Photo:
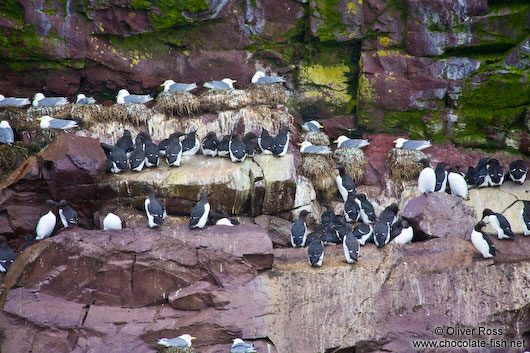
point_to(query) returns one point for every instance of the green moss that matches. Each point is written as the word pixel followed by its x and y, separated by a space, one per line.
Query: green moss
pixel 331 24
pixel 13 10
pixel 435 127
pixel 395 122
pixel 171 11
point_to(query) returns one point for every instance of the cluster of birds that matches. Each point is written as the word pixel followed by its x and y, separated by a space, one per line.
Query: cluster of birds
pixel 333 229
pixel 184 341
pixel 124 97
pixel 143 152
pixel 488 172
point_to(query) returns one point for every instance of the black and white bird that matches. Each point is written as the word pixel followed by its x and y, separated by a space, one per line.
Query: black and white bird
pixel 7 255
pixel 82 99
pixel 499 223
pixel 299 230
pixel 223 148
pixel 237 149
pixel 29 240
pixel 315 252
pixel 312 125
pixel 441 177
pixel 152 154
pixel 116 158
pixel 401 233
pixel 389 214
pixel 172 86
pixel 46 223
pixel 367 210
pixel 209 144
pixel 67 214
pixel 364 233
pixel 344 183
pixel 525 218
pixel 174 152
pixel 307 147
pixel 457 184
pixel 427 178
pixel 47 122
pixel 190 144
pixel 495 172
pixel 350 245
pixel 327 216
pixel 143 137
pixel 345 142
pixel 471 176
pixel 250 146
pixel 518 170
pixel 225 221
pixel 280 142
pixel 482 241
pixel 265 142
pixel 126 143
pixel 124 97
pixel 154 209
pixel 39 100
pixel 381 233
pixel 6 133
pixel 416 145
pixel 482 177
pixel 162 146
pixel 261 78
pixel 137 156
pixel 239 346
pixel 199 212
pixel 352 210
pixel 112 222
pixel 180 341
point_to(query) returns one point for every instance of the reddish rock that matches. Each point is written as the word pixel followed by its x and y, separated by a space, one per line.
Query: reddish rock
pixel 429 216
pixel 273 20
pixel 339 125
pixel 376 155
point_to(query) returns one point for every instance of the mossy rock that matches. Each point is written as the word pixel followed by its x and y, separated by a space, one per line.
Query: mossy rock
pixel 412 122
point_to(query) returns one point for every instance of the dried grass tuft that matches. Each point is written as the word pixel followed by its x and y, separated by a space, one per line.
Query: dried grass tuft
pixel 320 169
pixel 403 164
pixel 11 157
pixel 177 104
pixel 318 138
pixel 135 114
pixel 354 162
pixel 214 101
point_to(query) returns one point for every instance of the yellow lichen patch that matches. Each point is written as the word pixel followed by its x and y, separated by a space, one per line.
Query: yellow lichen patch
pixel 331 77
pixel 100 27
pixel 367 92
pixel 352 7
pixel 385 41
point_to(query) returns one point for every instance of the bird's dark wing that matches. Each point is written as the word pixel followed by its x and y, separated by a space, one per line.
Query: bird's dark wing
pixel 505 225
pixel 490 243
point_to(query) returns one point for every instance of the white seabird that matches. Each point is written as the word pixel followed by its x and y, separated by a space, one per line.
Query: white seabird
pixel 13 102
pixel 82 99
pixel 308 148
pixel 180 341
pixel 112 222
pixel 239 346
pixel 260 77
pixel 224 84
pixel 6 133
pixel 482 241
pixel 47 122
pixel 39 100
pixel 125 97
pixel 457 184
pixel 345 142
pixel 172 86
pixel 416 145
pixel 312 125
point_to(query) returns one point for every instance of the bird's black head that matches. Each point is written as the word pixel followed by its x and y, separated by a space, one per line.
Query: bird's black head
pixel 393 207
pixel 250 136
pixel 487 212
pixel 348 228
pixel 126 133
pixel 3 241
pixel 264 132
pixel 176 135
pixel 284 129
pixel 493 161
pixel 62 203
pixel 303 214
pixel 211 134
pixel 526 203
pixel 226 138
pixel 404 223
pixel 50 203
pixel 204 195
pixel 361 197
pixel 441 165
pixel 425 162
pixel 148 188
pixel 340 168
pixel 480 225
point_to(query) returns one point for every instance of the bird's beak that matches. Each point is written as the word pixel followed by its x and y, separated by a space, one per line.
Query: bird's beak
pixel 39 118
pixel 194 338
pixel 162 85
pixel 394 141
pixel 299 144
pixel 336 141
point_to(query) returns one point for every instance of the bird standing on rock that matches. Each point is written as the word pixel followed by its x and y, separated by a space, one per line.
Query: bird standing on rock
pixel 299 230
pixel 112 222
pixel 7 255
pixel 190 144
pixel 495 172
pixel 441 177
pixel 154 209
pixel 364 233
pixel 249 145
pixel 280 143
pixel 152 154
pixel 427 178
pixel 137 156
pixel 352 210
pixel 126 143
pixel 199 213
pixel 457 184
pixel 389 214
pixel 350 245
pixel 237 149
pixel 209 145
pixel 499 223
pixel 174 151
pixel 315 252
pixel 46 223
pixel 525 217
pixel 482 241
pixel 381 233
pixel 402 233
pixel 67 214
pixel 265 142
pixel 367 209
pixel 518 170
pixel 344 183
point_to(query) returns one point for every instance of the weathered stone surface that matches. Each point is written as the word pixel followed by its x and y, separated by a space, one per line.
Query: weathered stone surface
pixel 340 20
pixel 279 175
pixel 439 215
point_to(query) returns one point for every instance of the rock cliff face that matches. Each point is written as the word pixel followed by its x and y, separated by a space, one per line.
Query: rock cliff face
pixel 446 70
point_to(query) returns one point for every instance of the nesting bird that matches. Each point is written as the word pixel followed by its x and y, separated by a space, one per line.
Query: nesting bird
pixel 239 346
pixel 345 142
pixel 47 122
pixel 299 230
pixel 482 241
pixel 223 85
pixel 82 99
pixel 172 86
pixel 124 97
pixel 312 125
pixel 199 213
pixel 416 145
pixel 180 341
pixel 39 100
pixel 261 78
pixel 499 223
pixel 7 255
pixel 13 102
pixel 307 147
pixel 67 214
pixel 518 170
pixel 154 209
pixel 46 223
pixel 6 133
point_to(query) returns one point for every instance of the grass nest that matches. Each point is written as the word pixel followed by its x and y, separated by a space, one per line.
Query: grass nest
pixel 11 157
pixel 177 350
pixel 353 160
pixel 215 101
pixel 404 164
pixel 272 94
pixel 135 114
pixel 177 104
pixel 320 169
pixel 318 138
